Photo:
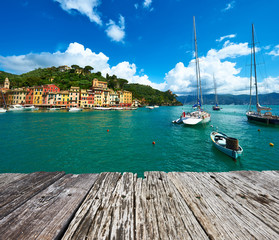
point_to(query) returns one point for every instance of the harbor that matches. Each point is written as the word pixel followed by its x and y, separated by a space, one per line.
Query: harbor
pixel 174 205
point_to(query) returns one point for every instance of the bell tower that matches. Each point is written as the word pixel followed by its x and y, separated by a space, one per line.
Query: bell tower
pixel 7 83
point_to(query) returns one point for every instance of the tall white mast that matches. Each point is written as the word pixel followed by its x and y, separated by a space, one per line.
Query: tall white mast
pixel 199 90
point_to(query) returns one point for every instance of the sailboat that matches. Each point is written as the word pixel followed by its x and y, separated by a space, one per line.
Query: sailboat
pixel 258 116
pixel 216 106
pixel 199 116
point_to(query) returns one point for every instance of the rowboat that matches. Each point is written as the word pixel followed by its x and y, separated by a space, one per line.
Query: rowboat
pixel 226 144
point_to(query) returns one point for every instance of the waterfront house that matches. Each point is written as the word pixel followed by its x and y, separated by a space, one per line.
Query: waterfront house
pixel 16 96
pixel 62 98
pixel 98 97
pixel 83 102
pixel 106 98
pixel 74 94
pixel 29 96
pixel 101 93
pixel 90 98
pixel 114 99
pixel 121 98
pixel 38 95
pixel 48 88
pixel 128 98
pixel 51 99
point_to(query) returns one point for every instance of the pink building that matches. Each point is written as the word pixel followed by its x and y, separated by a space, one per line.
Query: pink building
pixel 74 94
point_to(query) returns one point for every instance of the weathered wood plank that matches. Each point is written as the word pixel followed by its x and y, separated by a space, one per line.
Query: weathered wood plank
pixel 256 200
pixel 173 217
pixel 16 193
pixel 122 222
pixel 6 178
pixel 220 215
pixel 46 215
pixel 92 220
pixel 268 180
pixel 146 220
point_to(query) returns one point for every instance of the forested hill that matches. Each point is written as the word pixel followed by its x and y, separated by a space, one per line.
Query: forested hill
pixel 77 76
pixel 265 99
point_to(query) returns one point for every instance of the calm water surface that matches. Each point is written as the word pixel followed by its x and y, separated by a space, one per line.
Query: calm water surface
pixel 79 142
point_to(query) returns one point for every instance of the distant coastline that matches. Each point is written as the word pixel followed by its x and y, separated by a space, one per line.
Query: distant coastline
pixel 227 99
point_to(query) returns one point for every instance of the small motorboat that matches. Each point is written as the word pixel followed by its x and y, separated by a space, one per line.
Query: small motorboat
pixel 17 107
pixel 53 109
pixel 150 107
pixel 30 108
pixel 102 108
pixel 75 109
pixel 3 110
pixel 216 108
pixel 226 144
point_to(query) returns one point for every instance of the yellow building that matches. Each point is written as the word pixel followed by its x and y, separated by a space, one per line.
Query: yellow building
pixel 120 97
pixel 38 95
pixel 16 96
pixel 63 98
pixel 83 98
pixel 125 98
pixel 128 97
pixel 98 97
pixel 106 98
pixel 99 84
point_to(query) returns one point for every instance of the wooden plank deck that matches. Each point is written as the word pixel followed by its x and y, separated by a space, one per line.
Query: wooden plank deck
pixel 231 205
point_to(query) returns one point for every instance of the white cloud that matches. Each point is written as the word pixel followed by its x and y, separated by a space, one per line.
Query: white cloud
pixel 116 32
pixel 85 7
pixel 182 79
pixel 269 85
pixel 274 52
pixel 147 3
pixel 224 37
pixel 76 54
pixel 128 71
pixel 231 50
pixel 229 6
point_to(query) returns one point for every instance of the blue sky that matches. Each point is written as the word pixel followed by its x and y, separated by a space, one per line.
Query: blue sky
pixel 145 41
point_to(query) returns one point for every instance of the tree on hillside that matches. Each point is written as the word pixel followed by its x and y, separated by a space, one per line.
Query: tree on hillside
pixel 87 69
pixel 75 67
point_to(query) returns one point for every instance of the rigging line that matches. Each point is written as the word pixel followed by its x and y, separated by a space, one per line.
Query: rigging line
pixel 197 66
pixel 251 77
pixel 255 70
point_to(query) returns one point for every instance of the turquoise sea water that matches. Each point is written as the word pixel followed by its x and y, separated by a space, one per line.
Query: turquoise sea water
pixel 80 143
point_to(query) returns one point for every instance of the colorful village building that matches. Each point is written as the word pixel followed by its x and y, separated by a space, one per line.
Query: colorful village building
pixel 101 92
pixel 128 98
pixel 74 94
pixel 83 102
pixel 114 99
pixel 29 96
pixel 62 99
pixel 16 96
pixel 47 89
pixel 38 95
pixel 90 98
